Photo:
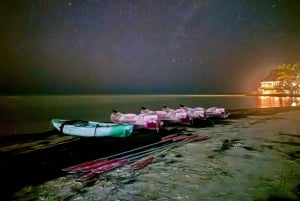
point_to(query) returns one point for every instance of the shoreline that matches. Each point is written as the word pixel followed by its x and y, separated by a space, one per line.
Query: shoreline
pixel 235 113
pixel 274 95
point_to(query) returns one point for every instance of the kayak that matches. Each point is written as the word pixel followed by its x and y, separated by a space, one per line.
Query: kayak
pixel 175 116
pixel 92 128
pixel 216 112
pixel 139 121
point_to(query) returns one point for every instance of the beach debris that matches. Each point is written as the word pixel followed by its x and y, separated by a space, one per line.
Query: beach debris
pixel 227 144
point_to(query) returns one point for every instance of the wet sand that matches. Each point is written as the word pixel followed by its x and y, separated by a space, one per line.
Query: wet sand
pixel 31 164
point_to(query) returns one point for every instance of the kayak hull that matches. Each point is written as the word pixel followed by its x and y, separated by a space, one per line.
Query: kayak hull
pixel 91 128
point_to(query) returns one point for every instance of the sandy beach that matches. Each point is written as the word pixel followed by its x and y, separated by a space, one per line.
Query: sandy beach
pixel 252 155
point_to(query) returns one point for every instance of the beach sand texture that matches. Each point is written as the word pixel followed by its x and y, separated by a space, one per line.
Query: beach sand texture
pixel 253 155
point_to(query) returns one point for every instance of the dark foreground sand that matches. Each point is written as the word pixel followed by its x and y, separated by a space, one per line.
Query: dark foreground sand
pixel 30 161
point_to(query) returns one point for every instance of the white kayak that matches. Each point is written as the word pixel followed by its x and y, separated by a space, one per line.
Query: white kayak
pixel 91 128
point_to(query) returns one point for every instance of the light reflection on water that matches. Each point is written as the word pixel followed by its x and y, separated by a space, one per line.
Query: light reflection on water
pixel 271 101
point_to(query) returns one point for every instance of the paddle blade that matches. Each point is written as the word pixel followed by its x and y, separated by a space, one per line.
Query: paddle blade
pixel 73 168
pixel 168 137
pixel 110 166
pixel 87 176
pixel 196 138
pixel 88 168
pixel 142 163
pixel 179 138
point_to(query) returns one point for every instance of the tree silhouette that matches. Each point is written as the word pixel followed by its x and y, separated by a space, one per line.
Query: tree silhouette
pixel 289 79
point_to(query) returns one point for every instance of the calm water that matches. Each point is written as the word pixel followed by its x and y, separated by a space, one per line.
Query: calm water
pixel 30 114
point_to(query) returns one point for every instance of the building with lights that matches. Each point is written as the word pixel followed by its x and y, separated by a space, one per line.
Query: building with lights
pixel 270 84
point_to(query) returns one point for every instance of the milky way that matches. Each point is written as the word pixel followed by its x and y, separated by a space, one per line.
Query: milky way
pixel 158 47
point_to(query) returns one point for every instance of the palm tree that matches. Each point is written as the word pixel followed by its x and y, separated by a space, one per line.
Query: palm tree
pixel 289 78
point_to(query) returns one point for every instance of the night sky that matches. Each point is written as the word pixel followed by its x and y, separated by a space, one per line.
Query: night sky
pixel 144 47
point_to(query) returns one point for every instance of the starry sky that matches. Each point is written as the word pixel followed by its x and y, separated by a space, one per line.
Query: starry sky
pixel 144 47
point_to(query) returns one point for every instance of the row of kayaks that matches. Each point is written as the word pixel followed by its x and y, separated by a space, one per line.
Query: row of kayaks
pixel 123 124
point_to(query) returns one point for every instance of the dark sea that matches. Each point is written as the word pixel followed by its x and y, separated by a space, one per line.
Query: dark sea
pixel 31 114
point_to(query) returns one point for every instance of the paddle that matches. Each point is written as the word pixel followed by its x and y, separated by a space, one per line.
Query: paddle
pixel 131 157
pixel 146 161
pixel 74 168
pixel 88 167
pixel 142 163
pixel 107 165
pixel 104 168
pixel 118 162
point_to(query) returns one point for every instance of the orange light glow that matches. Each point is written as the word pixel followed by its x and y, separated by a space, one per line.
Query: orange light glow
pixel 270 101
